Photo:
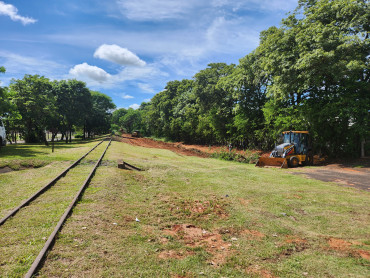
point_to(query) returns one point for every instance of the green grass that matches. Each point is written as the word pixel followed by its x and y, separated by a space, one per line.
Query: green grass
pixel 102 238
pixel 20 156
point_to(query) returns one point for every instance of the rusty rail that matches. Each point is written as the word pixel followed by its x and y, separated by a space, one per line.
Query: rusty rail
pixel 46 187
pixel 35 265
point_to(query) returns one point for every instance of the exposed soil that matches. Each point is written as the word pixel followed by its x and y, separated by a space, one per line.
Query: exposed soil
pixel 256 270
pixel 8 169
pixel 253 235
pixel 5 169
pixel 344 174
pixel 196 209
pixel 345 247
pixel 178 147
pixel 150 143
pixel 193 236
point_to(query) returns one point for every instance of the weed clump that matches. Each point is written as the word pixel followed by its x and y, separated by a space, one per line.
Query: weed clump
pixel 247 157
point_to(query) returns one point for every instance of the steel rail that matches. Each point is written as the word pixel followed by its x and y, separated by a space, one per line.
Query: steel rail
pixel 46 187
pixel 35 265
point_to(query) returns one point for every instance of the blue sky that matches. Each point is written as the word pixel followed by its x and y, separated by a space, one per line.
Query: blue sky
pixel 129 49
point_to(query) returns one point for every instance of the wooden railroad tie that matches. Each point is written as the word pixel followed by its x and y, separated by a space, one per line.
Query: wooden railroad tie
pixel 124 165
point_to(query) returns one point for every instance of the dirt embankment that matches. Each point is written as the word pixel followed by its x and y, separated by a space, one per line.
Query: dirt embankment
pixel 150 143
pixel 178 147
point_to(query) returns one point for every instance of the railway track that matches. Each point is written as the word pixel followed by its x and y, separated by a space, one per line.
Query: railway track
pixel 28 215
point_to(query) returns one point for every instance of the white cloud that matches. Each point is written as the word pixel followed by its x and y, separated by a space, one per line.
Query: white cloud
pixel 146 88
pixel 119 55
pixel 260 5
pixel 147 100
pixel 12 12
pixel 141 73
pixel 17 65
pixel 159 10
pixel 92 72
pixel 230 36
pixel 155 10
pixel 134 106
pixel 124 96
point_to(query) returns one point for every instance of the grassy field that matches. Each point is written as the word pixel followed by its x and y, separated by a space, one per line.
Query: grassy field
pixel 197 218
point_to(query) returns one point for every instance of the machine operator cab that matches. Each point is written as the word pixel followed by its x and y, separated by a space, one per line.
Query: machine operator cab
pixel 299 139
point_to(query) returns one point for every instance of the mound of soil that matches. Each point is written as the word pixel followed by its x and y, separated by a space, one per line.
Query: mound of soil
pixel 178 147
pixel 150 143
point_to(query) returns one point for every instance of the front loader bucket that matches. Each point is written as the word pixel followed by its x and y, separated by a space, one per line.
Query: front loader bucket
pixel 272 161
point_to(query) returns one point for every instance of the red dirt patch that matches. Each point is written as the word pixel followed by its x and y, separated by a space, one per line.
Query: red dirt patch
pixel 364 254
pixel 344 247
pixel 150 143
pixel 178 147
pixel 253 235
pixel 295 240
pixel 193 236
pixel 200 208
pixel 339 244
pixel 172 254
pixel 260 272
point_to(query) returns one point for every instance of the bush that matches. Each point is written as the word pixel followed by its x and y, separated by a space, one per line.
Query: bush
pixel 248 157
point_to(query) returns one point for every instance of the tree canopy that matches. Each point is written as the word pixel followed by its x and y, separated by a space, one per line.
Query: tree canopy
pixel 310 73
pixel 35 104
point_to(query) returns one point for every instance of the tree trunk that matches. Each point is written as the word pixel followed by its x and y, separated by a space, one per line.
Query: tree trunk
pixel 52 142
pixel 45 139
pixel 83 136
pixel 363 148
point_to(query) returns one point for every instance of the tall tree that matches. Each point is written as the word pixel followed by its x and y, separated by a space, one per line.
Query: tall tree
pixel 33 98
pixel 74 104
pixel 247 85
pixel 216 104
pixel 317 63
pixel 98 120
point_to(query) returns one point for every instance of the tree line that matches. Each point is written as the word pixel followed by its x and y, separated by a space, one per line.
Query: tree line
pixel 33 105
pixel 310 73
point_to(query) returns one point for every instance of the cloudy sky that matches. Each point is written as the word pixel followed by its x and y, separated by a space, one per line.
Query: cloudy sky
pixel 129 49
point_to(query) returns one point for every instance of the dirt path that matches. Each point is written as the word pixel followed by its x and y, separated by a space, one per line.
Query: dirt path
pixel 344 174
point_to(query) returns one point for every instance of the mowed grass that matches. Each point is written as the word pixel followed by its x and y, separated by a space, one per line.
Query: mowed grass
pixel 21 156
pixel 210 218
pixel 23 236
pixel 17 186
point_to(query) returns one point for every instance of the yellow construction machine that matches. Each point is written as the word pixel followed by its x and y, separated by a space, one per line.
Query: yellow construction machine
pixel 295 150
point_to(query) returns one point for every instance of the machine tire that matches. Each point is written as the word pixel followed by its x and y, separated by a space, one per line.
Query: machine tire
pixel 293 162
pixel 309 160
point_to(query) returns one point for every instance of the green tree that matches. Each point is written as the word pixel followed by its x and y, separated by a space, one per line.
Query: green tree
pixel 131 120
pixel 3 96
pixel 33 98
pixel 74 104
pixel 317 64
pixel 247 86
pixel 99 119
pixel 116 115
pixel 216 104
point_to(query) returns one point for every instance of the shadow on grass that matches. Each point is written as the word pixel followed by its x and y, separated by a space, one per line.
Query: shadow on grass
pixel 37 149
